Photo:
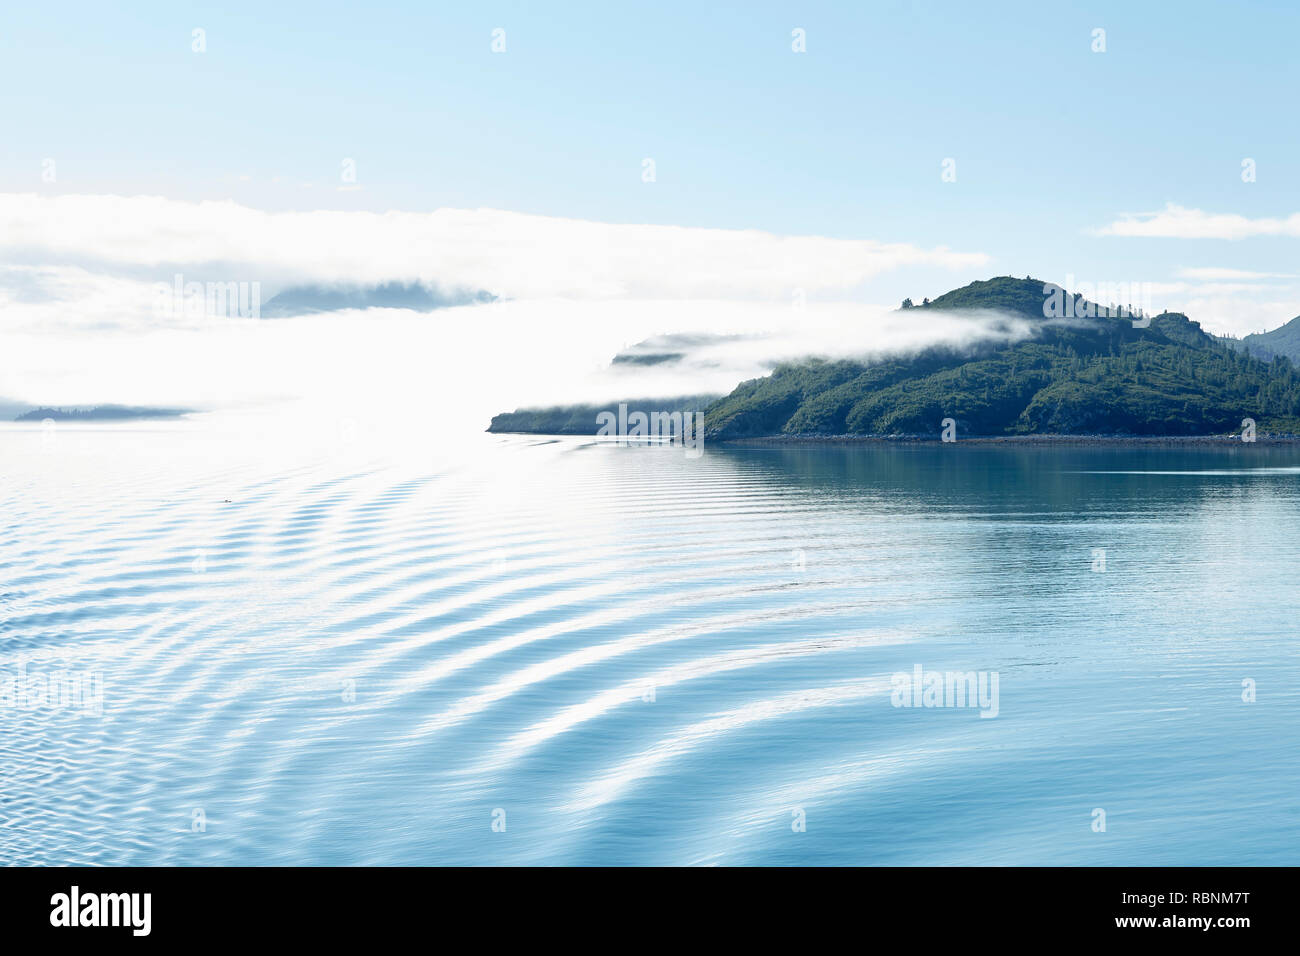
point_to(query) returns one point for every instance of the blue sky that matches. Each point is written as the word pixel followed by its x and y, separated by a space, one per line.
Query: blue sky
pixel 1051 140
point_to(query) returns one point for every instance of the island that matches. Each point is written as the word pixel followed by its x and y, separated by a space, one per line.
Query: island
pixel 99 413
pixel 1085 369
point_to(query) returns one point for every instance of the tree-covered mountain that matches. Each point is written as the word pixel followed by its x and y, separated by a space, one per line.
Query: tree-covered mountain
pixel 1082 370
pixel 1283 341
pixel 584 419
pixel 415 296
pixel 99 413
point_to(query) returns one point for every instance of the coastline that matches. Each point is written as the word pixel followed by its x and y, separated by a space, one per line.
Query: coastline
pixel 1217 440
pixel 1285 438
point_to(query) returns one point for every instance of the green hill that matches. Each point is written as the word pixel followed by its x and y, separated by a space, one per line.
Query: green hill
pixel 1284 341
pixel 583 419
pixel 1091 373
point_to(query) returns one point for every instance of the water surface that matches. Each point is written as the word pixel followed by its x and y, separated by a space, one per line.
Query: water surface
pixel 626 655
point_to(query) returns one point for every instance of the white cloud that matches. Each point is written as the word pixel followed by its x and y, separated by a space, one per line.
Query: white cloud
pixel 396 369
pixel 79 305
pixel 1177 222
pixel 1223 314
pixel 1212 274
pixel 511 254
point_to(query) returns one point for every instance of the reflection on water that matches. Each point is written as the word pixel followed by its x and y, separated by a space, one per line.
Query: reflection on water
pixel 535 651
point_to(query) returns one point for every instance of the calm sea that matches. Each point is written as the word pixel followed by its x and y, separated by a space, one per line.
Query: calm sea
pixel 526 650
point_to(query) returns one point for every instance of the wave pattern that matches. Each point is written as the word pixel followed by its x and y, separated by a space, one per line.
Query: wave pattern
pixel 558 652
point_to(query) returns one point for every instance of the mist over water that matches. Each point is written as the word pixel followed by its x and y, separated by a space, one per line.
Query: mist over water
pixel 451 370
pixel 320 647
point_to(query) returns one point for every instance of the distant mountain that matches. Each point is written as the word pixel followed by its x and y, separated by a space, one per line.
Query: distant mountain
pixel 99 413
pixel 9 409
pixel 312 299
pixel 668 349
pixel 1082 371
pixel 1283 341
pixel 581 419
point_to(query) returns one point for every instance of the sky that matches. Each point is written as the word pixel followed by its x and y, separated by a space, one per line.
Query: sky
pixel 838 153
